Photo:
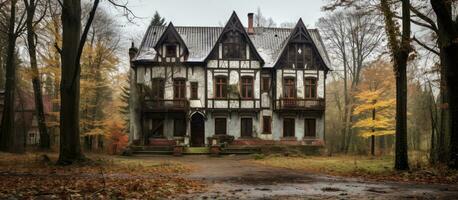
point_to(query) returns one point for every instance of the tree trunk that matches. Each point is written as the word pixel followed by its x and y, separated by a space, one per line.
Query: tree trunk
pixel 448 37
pixel 401 160
pixel 373 136
pixel 44 136
pixel 70 149
pixel 7 127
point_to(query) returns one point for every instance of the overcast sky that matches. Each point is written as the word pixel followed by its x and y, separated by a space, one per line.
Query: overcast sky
pixel 216 12
pixel 213 13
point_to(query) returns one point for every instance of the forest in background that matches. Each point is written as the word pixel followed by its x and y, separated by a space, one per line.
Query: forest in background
pixel 387 93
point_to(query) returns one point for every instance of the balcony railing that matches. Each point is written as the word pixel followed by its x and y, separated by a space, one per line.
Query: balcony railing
pixel 159 105
pixel 300 104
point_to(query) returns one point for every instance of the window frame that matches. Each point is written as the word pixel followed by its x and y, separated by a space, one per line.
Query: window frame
pixel 310 88
pixel 179 85
pixel 287 83
pixel 293 120
pixel 169 47
pixel 194 90
pixel 250 128
pixel 220 91
pixel 157 88
pixel 233 46
pixel 307 128
pixel 246 84
pixel 264 80
pixel 218 120
pixel 266 125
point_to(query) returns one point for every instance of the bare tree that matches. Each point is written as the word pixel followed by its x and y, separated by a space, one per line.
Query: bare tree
pixel 354 38
pixel 15 28
pixel 261 21
pixel 31 24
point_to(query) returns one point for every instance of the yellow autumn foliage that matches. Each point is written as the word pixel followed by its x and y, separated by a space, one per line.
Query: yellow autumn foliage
pixel 376 96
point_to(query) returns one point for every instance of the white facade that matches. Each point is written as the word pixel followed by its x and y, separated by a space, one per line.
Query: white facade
pixel 246 97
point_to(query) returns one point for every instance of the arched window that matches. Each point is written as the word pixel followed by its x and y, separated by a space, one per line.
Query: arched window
pixel 220 87
pixel 234 46
pixel 310 88
pixel 247 87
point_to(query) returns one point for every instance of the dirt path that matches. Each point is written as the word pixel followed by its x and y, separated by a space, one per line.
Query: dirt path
pixel 234 177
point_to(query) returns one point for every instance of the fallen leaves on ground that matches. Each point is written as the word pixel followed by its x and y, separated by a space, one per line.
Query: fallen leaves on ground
pixel 379 169
pixel 28 177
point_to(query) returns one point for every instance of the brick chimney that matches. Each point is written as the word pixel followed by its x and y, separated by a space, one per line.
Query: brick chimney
pixel 250 24
pixel 132 51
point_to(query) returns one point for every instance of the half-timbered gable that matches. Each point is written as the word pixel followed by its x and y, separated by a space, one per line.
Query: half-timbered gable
pixel 251 83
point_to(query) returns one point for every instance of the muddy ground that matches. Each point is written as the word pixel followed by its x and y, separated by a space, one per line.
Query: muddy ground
pixel 235 177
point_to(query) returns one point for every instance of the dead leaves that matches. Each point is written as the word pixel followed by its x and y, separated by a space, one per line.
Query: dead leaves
pixel 24 177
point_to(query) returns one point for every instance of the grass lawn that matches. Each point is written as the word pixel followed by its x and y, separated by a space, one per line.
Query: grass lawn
pixel 32 176
pixel 377 168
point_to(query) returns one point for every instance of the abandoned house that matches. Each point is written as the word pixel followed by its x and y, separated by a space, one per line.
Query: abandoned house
pixel 259 85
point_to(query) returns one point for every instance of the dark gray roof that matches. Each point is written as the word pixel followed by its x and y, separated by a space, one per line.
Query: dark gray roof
pixel 268 42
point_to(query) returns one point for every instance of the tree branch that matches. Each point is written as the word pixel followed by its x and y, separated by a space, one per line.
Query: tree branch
pixel 425 18
pixel 425 46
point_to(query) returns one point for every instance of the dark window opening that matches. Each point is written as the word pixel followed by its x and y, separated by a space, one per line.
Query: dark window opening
pixel 220 87
pixel 288 127
pixel 194 90
pixel 265 85
pixel 247 87
pixel 171 51
pixel 157 128
pixel 179 127
pixel 310 128
pixel 179 89
pixel 310 88
pixel 246 127
pixel 157 88
pixel 266 125
pixel 234 46
pixel 299 56
pixel 220 126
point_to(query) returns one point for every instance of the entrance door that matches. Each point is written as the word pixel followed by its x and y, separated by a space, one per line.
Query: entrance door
pixel 246 127
pixel 197 130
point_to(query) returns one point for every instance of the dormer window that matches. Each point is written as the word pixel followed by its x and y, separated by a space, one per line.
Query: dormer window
pixel 234 47
pixel 299 56
pixel 171 50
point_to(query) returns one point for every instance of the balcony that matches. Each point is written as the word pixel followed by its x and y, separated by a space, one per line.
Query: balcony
pixel 165 105
pixel 300 104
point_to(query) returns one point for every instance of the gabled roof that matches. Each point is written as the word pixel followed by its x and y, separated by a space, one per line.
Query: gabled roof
pixel 301 34
pixel 171 30
pixel 234 24
pixel 268 42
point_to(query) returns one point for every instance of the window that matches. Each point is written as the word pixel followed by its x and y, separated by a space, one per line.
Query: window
pixel 179 89
pixel 194 90
pixel 299 56
pixel 310 88
pixel 265 84
pixel 220 126
pixel 266 124
pixel 246 127
pixel 179 127
pixel 156 128
pixel 247 87
pixel 157 88
pixel 288 127
pixel 171 50
pixel 289 88
pixel 234 46
pixel 221 87
pixel 310 128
